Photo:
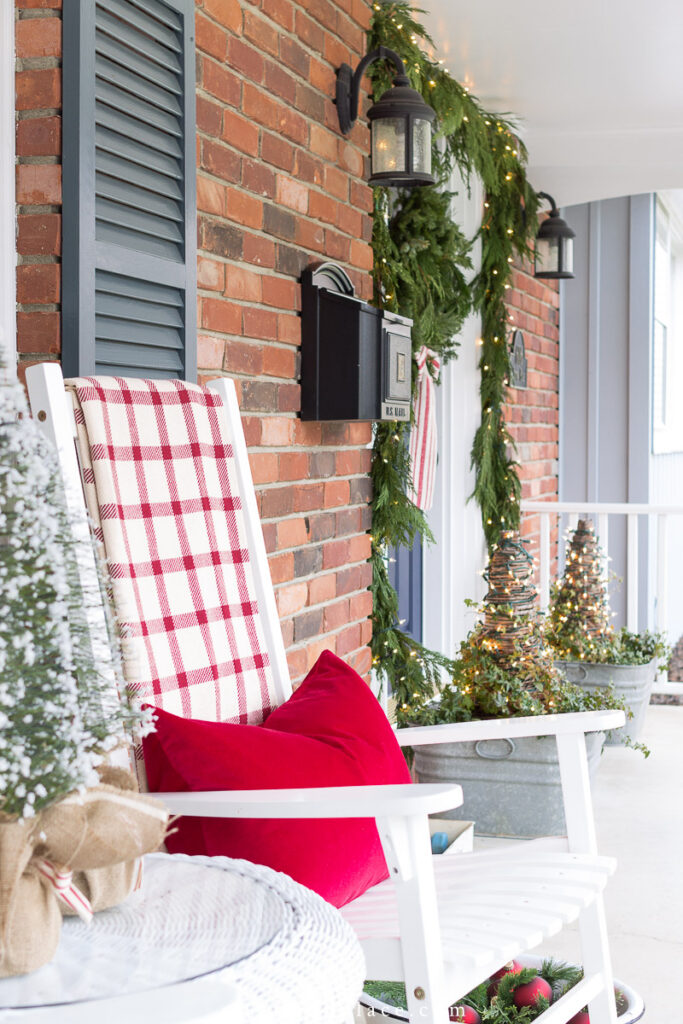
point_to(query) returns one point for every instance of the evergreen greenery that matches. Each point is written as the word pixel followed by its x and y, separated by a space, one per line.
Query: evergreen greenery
pixel 422 269
pixel 59 708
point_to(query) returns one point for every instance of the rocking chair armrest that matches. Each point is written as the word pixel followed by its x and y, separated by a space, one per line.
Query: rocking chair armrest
pixel 510 728
pixel 323 802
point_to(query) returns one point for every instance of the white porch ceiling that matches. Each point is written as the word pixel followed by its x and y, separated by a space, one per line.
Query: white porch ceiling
pixel 596 86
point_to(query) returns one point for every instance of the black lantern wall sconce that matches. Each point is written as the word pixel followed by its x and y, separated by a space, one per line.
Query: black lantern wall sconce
pixel 554 253
pixel 401 124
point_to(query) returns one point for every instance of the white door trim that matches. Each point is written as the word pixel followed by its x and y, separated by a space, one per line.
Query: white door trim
pixel 8 248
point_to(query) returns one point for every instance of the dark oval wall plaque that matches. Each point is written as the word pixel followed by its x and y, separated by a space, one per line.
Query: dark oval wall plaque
pixel 517 361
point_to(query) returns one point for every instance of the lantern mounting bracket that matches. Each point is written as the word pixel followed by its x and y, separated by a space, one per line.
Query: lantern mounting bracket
pixel 348 84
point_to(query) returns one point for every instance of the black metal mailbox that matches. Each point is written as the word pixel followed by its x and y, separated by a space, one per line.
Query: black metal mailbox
pixel 355 359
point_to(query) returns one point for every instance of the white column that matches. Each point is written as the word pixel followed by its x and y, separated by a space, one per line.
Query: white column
pixel 7 195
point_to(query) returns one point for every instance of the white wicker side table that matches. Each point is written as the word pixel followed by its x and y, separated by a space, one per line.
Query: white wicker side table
pixel 205 940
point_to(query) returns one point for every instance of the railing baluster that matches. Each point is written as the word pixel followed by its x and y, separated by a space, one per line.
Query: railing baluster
pixel 545 561
pixel 632 573
pixel 603 540
pixel 661 606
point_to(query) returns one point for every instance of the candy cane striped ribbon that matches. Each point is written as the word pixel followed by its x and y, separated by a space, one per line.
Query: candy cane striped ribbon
pixel 423 435
pixel 65 890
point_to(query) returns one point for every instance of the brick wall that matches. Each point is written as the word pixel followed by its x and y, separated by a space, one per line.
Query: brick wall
pixel 533 412
pixel 278 188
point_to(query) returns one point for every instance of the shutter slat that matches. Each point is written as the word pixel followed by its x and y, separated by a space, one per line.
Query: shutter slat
pixel 160 12
pixel 127 126
pixel 144 334
pixel 116 99
pixel 137 87
pixel 128 195
pixel 145 69
pixel 130 150
pixel 138 220
pixel 118 308
pixel 133 288
pixel 141 45
pixel 142 177
pixel 145 359
pixel 152 27
pixel 115 233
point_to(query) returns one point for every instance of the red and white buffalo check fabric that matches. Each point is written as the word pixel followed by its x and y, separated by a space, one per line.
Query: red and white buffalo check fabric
pixel 161 485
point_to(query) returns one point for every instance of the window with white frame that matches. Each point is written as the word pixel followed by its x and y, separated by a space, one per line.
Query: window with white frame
pixel 667 334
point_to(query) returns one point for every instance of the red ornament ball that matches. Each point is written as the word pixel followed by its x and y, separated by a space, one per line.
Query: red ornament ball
pixel 510 968
pixel 580 1018
pixel 463 1015
pixel 529 994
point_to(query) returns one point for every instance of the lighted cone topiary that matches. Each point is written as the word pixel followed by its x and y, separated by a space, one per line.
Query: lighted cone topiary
pixel 588 650
pixel 60 712
pixel 508 631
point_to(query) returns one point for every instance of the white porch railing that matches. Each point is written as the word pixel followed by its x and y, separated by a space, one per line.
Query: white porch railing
pixel 658 515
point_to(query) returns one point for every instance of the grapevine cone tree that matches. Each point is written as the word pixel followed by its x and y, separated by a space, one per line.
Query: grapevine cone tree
pixel 59 708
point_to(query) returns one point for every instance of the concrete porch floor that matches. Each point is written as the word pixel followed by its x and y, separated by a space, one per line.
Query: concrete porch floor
pixel 639 815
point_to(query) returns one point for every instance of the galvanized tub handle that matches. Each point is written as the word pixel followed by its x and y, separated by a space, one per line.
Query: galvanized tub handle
pixel 480 752
pixel 580 672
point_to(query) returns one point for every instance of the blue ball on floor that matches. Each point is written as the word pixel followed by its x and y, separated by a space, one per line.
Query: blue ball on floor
pixel 439 842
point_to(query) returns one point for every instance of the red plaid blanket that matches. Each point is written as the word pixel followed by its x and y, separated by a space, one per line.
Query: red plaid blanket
pixel 160 481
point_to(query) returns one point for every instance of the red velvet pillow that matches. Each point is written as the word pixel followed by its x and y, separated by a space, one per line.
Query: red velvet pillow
pixel 331 732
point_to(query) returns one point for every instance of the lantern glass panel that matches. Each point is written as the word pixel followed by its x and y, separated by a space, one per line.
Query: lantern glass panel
pixel 388 145
pixel 422 146
pixel 568 261
pixel 547 255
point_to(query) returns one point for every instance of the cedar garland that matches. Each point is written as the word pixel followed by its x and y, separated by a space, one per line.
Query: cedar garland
pixel 421 259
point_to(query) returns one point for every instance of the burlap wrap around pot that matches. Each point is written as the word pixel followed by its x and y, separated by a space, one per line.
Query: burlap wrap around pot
pixel 99 836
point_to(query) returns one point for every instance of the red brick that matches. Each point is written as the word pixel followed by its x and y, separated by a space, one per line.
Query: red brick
pixel 315 649
pixel 245 59
pixel 277 151
pixel 220 315
pixel 292 533
pixel 336 493
pixel 221 161
pixel 38 332
pixel 280 11
pixel 39 184
pixel 322 77
pixel 280 82
pixel 210 352
pixel 361 196
pixel 240 133
pixel 209 117
pixel 361 255
pixel 360 548
pixel 293 598
pixel 307 497
pixel 350 33
pixel 277 431
pixel 281 567
pixel 258 178
pixel 38 90
pixel 261 32
pixel 39 136
pixel 39 234
pixel 38 37
pixel 289 397
pixel 241 283
pixel 309 168
pixel 280 291
pixel 292 194
pixel 321 207
pixel 227 12
pixel 310 235
pixel 244 209
pixel 335 615
pixel 210 195
pixel 337 247
pixel 210 37
pixel 348 640
pixel 260 251
pixel 264 467
pixel 279 362
pixel 307 433
pixel 243 358
pixel 210 274
pixel 38 283
pixel 336 553
pixel 294 56
pixel 347 463
pixel 322 588
pixel 261 324
pixel 360 605
pixel 297 663
pixel 309 32
pixel 55 5
pixel 221 83
pixel 289 329
pixel 350 221
pixel 324 143
pixel 293 466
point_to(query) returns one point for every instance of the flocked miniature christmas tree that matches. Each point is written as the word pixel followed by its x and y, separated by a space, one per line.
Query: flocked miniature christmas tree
pixel 579 616
pixel 59 709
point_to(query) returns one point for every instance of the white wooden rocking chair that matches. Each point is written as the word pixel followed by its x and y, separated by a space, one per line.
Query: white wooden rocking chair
pixel 440 924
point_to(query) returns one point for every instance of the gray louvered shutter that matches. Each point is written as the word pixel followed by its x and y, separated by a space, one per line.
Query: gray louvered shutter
pixel 129 180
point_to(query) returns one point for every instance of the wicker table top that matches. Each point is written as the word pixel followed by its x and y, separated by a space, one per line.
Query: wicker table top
pixel 202 936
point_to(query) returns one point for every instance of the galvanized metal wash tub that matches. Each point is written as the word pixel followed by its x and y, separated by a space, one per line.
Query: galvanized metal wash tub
pixel 511 787
pixel 633 683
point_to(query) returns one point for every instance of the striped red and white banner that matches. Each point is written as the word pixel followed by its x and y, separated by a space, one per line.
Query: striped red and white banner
pixel 423 434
